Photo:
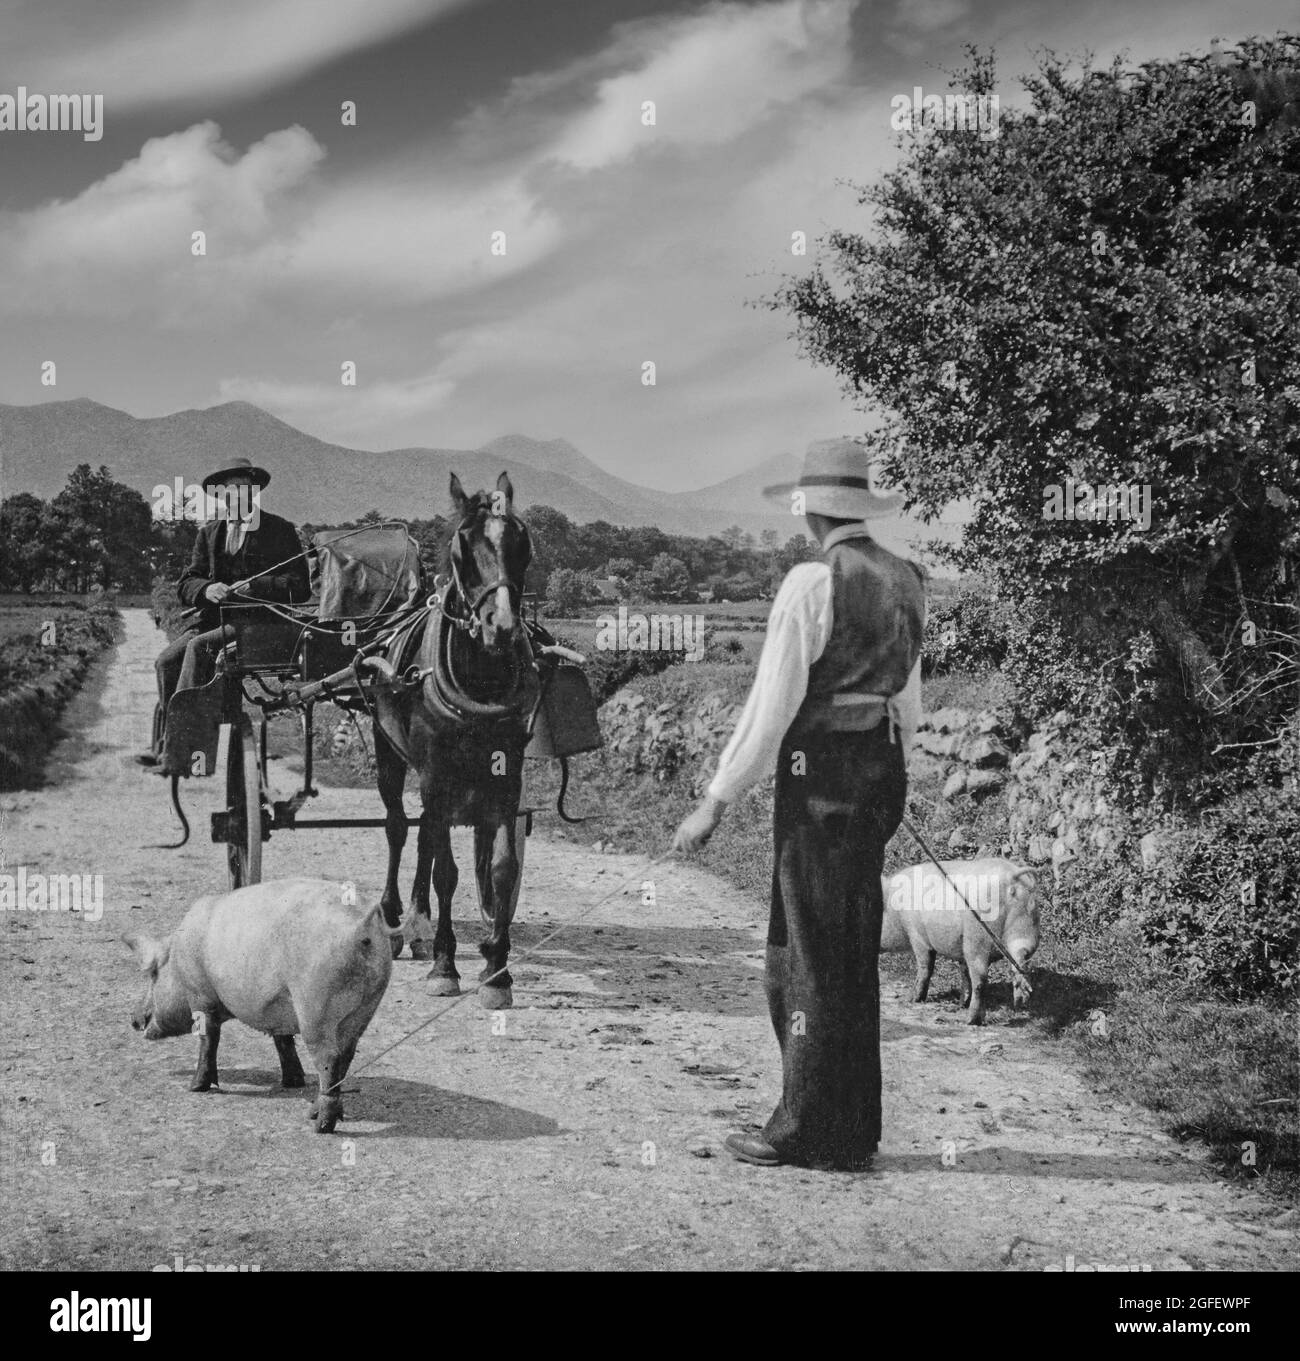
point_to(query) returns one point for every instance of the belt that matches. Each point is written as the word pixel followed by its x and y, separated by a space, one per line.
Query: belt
pixel 846 712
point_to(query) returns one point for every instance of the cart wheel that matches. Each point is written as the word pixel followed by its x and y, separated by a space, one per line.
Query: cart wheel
pixel 244 805
pixel 483 869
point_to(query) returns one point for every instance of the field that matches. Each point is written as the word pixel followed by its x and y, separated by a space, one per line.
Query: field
pixel 48 642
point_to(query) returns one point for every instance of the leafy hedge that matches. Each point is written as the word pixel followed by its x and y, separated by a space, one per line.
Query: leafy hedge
pixel 37 680
pixel 1222 904
pixel 967 631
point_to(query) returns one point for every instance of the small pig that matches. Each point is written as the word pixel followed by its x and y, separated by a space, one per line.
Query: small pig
pixel 925 915
pixel 288 957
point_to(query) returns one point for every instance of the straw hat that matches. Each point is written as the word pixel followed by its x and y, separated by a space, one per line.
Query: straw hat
pixel 836 481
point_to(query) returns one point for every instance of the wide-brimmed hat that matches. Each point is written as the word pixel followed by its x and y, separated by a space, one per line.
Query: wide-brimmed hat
pixel 836 481
pixel 240 467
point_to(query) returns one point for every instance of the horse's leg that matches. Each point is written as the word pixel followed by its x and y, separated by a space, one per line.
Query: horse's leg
pixel 497 862
pixel 391 770
pixel 423 944
pixel 446 979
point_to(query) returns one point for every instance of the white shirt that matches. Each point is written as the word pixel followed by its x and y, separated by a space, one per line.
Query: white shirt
pixel 797 632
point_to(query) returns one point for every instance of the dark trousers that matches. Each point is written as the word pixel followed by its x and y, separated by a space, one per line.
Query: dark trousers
pixel 831 824
pixel 188 661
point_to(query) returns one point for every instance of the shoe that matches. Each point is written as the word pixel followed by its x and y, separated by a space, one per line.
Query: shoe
pixel 749 1148
pixel 147 758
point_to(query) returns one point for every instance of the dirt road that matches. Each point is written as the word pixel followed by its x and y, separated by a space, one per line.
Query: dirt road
pixel 581 1129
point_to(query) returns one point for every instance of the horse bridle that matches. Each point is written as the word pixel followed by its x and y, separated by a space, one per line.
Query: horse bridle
pixel 469 621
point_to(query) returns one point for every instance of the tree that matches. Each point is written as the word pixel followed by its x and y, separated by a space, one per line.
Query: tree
pixel 1106 293
pixel 25 544
pixel 566 590
pixel 668 578
pixel 102 532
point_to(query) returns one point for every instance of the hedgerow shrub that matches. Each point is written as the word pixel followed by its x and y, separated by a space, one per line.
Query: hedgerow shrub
pixel 1222 904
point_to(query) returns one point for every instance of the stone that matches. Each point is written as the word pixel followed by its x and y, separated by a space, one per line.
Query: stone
pixel 983 782
pixel 1083 808
pixel 987 721
pixel 1040 850
pixel 949 720
pixel 959 837
pixel 937 745
pixel 955 784
pixel 1150 848
pixel 987 753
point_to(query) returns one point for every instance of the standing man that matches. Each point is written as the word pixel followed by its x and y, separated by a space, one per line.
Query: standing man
pixel 835 701
pixel 242 554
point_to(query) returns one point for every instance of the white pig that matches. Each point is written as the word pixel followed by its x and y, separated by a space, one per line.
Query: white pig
pixel 925 915
pixel 288 957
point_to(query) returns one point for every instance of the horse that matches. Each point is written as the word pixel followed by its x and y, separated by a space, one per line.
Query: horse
pixel 463 730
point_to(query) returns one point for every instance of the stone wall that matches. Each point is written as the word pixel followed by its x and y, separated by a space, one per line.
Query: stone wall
pixel 1057 810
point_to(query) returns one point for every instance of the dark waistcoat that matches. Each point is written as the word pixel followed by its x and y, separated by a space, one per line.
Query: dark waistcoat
pixel 878 609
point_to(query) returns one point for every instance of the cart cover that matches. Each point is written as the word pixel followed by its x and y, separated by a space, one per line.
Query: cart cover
pixel 365 572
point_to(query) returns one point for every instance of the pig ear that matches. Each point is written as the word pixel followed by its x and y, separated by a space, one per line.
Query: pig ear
pixel 151 953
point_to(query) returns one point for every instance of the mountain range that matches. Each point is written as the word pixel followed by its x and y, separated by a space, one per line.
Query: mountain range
pixel 322 483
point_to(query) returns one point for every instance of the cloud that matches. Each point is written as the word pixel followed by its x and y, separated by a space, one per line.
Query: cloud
pixel 125 243
pixel 180 51
pixel 712 76
pixel 277 232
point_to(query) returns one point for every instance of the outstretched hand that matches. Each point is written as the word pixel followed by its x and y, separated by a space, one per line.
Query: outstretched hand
pixel 698 827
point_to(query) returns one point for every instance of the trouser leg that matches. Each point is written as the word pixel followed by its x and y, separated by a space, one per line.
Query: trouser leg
pixel 200 661
pixel 167 669
pixel 831 825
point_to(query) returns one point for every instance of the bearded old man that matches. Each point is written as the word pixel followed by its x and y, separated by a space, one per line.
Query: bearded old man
pixel 835 701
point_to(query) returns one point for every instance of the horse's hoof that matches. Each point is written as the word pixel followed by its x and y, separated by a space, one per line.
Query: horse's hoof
pixel 395 944
pixel 203 1084
pixel 442 985
pixel 493 998
pixel 421 949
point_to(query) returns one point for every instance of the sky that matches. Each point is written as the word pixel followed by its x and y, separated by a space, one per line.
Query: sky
pixel 371 243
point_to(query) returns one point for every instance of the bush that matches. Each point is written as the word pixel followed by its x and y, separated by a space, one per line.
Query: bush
pixel 1223 904
pixel 37 680
pixel 967 631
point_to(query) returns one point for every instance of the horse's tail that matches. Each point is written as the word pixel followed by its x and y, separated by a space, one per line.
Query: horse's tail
pixel 180 813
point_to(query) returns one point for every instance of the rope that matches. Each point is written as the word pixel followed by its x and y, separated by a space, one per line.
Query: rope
pixel 523 954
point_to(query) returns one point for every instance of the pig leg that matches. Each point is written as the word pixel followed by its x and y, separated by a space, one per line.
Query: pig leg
pixel 924 972
pixel 291 1074
pixel 205 1075
pixel 978 974
pixel 965 982
pixel 391 776
pixel 327 1109
pixel 446 978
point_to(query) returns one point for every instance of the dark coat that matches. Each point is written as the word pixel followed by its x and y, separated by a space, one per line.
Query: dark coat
pixel 268 546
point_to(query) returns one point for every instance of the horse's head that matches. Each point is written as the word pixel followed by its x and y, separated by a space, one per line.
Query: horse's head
pixel 490 550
